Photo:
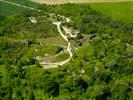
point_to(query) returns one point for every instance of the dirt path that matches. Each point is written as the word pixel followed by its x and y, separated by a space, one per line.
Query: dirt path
pixel 57 64
pixel 58 24
pixel 45 64
pixel 69 32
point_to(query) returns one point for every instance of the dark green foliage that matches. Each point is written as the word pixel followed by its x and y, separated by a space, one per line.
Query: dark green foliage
pixel 51 88
pixel 100 70
pixel 32 97
pixel 17 34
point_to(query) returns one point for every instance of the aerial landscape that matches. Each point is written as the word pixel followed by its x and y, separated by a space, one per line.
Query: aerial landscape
pixel 66 49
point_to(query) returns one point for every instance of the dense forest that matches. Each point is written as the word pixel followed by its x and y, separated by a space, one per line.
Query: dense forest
pixel 101 69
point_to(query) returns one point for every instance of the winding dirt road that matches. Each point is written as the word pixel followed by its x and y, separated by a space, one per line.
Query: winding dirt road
pixel 45 64
pixel 55 65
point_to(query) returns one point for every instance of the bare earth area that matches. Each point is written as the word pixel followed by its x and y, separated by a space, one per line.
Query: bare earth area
pixel 75 1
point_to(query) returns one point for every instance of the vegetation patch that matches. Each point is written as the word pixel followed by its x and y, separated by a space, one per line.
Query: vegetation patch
pixel 58 40
pixel 100 68
pixel 42 50
pixel 61 57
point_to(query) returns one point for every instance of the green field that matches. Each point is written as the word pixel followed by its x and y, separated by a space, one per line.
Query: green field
pixel 7 9
pixel 121 11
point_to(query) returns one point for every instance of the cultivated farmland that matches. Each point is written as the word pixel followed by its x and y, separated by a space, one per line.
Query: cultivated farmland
pixel 121 11
pixel 75 1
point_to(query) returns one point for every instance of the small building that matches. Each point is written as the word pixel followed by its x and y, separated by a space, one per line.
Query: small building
pixel 33 20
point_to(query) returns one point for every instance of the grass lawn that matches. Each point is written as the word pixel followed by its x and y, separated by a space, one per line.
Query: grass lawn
pixel 121 11
pixel 58 40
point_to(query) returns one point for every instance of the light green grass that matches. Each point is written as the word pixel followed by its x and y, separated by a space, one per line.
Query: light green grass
pixel 41 50
pixel 60 57
pixel 121 11
pixel 58 40
pixel 2 69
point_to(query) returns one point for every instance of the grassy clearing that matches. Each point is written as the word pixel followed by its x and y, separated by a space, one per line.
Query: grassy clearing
pixel 122 11
pixel 41 50
pixel 58 40
pixel 61 57
pixel 9 9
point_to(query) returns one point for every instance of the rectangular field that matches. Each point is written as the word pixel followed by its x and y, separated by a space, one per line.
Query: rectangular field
pixel 75 1
pixel 121 11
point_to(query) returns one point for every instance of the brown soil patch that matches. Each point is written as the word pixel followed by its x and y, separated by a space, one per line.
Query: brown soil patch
pixel 76 1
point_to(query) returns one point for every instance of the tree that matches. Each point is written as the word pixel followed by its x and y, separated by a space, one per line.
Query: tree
pixel 51 87
pixel 31 95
